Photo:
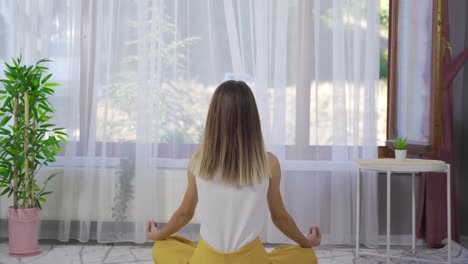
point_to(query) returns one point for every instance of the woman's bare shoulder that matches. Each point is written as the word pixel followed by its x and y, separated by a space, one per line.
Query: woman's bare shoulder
pixel 272 158
pixel 274 164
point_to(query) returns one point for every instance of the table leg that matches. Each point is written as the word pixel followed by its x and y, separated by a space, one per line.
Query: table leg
pixel 413 213
pixel 388 214
pixel 358 204
pixel 449 217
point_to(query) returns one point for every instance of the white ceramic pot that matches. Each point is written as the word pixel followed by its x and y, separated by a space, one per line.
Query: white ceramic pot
pixel 400 154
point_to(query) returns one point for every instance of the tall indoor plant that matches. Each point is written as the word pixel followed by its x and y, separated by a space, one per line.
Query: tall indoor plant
pixel 28 140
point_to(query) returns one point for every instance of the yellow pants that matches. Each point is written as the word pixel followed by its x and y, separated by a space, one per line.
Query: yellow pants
pixel 179 250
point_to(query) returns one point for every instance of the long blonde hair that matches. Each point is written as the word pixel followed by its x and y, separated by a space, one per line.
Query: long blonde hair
pixel 232 144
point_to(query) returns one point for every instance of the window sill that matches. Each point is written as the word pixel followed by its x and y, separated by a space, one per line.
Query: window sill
pixel 416 148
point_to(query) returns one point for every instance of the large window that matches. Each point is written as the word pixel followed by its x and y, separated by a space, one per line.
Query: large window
pixel 187 42
pixel 414 105
pixel 315 82
pixel 383 74
pixel 30 32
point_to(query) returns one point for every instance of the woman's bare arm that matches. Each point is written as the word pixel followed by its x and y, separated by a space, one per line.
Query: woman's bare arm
pixel 280 216
pixel 181 217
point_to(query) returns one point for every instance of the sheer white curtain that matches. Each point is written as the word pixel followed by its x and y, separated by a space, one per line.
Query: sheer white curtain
pixel 136 91
pixel 414 70
pixel 314 68
pixel 34 30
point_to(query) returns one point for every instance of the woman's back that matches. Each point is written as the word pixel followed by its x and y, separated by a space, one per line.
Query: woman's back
pixel 234 183
pixel 231 216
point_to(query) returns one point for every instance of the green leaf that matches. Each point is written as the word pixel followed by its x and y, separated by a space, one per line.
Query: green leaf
pixel 62 138
pixel 5 120
pixel 17 62
pixel 9 66
pixel 61 133
pixel 46 108
pixel 4 131
pixel 7 189
pixel 51 84
pixel 42 61
pixel 46 78
pixel 42 199
pixel 9 76
pixel 56 149
pixel 13 151
pixel 48 90
pixel 53 175
pixel 43 116
pixel 7 102
pixel 10 192
pixel 400 143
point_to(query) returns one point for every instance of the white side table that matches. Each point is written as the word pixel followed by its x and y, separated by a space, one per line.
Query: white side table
pixel 412 166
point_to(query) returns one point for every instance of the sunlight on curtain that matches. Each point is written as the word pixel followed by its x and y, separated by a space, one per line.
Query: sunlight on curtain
pixel 314 66
pixel 135 93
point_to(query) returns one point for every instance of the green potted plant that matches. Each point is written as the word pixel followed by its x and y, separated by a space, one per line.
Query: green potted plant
pixel 28 141
pixel 400 148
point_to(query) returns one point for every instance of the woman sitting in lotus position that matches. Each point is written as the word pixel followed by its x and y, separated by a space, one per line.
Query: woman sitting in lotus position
pixel 234 182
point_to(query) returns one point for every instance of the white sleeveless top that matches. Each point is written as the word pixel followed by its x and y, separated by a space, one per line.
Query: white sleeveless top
pixel 231 217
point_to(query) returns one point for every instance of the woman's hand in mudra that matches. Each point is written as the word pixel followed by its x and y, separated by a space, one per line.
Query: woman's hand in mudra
pixel 314 236
pixel 152 230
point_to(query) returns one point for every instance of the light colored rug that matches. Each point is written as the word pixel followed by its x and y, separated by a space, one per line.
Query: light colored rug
pixel 401 256
pixel 97 253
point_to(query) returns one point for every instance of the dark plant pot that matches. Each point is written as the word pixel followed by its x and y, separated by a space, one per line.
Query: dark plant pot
pixel 22 228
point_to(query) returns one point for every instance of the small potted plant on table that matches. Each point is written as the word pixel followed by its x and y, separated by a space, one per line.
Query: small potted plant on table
pixel 28 140
pixel 400 148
